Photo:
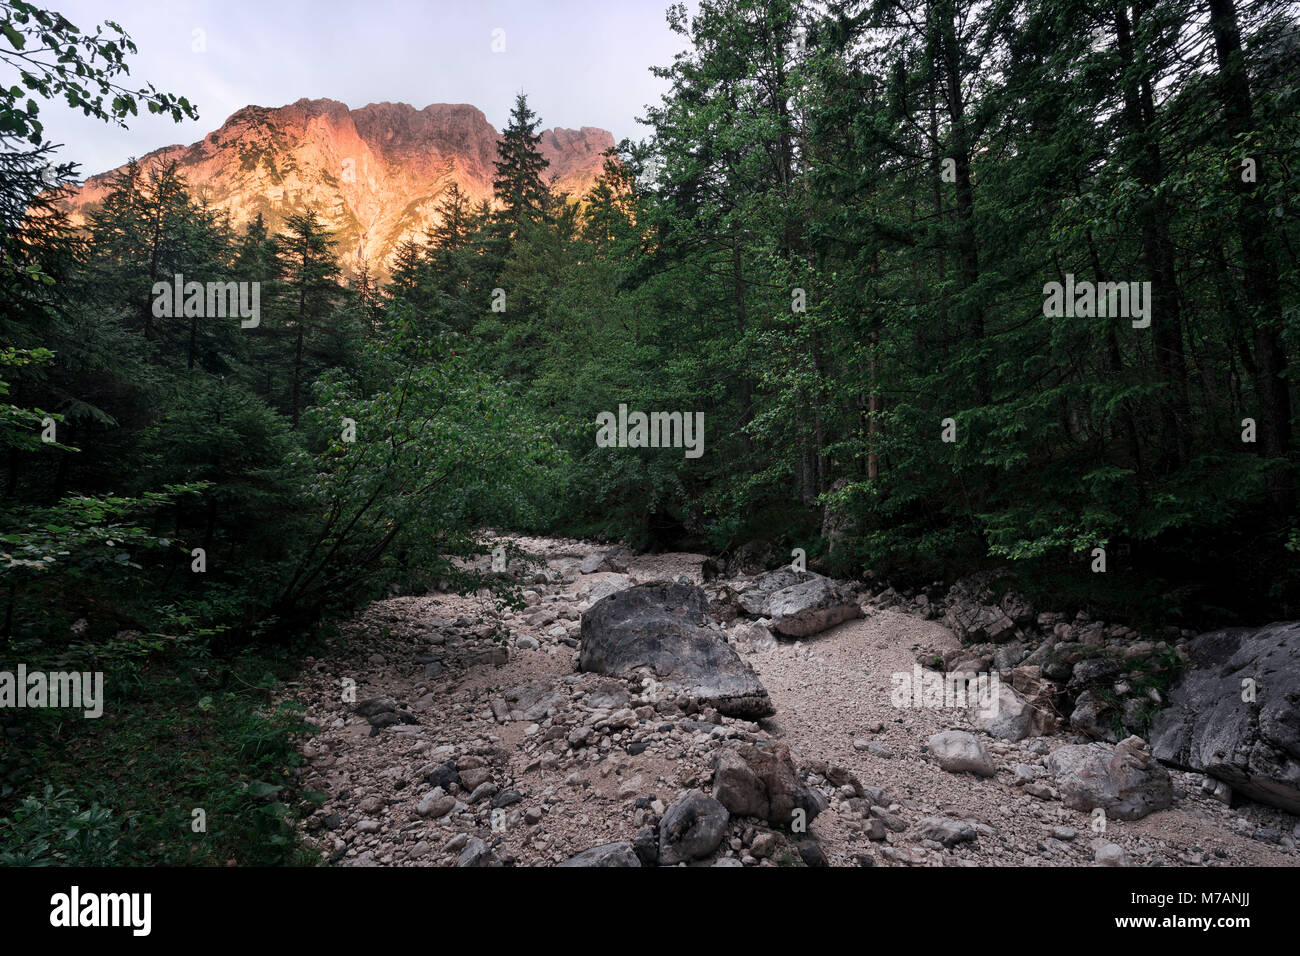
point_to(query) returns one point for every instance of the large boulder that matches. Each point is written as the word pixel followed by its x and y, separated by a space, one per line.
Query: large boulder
pixel 974 623
pixel 753 599
pixel 613 560
pixel 799 603
pixel 663 630
pixel 759 780
pixel 1254 745
pixel 811 607
pixel 973 616
pixel 1124 780
pixel 611 854
pixel 692 827
pixel 959 752
pixel 1010 716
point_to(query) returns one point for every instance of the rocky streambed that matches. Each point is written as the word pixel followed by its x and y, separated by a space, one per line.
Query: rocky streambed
pixel 666 710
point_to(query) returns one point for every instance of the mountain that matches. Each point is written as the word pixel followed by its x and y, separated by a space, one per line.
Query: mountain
pixel 374 175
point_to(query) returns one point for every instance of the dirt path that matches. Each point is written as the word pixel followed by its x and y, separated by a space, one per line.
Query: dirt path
pixel 510 755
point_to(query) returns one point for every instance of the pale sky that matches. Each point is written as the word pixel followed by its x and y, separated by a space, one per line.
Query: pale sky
pixel 581 62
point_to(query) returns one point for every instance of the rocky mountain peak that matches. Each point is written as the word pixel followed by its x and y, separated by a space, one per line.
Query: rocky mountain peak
pixel 374 174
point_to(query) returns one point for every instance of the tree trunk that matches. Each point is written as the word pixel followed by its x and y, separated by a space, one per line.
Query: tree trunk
pixel 1261 280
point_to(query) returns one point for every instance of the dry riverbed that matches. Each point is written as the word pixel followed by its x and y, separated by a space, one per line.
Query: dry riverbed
pixel 480 750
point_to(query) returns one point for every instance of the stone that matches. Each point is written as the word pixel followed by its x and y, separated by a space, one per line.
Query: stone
pixel 610 854
pixel 960 752
pixel 435 805
pixel 811 607
pixel 945 831
pixel 646 846
pixel 760 780
pixel 1124 780
pixel 691 828
pixel 661 630
pixel 1253 746
pixel 1105 853
pixel 477 854
pixel 1009 716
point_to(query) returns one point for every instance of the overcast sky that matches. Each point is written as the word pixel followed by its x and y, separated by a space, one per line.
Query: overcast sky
pixel 581 62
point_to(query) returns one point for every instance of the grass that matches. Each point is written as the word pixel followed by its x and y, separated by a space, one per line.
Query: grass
pixel 180 733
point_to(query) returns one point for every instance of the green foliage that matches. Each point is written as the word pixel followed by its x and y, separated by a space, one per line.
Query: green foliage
pixel 52 830
pixel 56 59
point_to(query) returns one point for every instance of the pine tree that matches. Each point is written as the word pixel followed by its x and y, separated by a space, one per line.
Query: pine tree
pixel 308 273
pixel 518 186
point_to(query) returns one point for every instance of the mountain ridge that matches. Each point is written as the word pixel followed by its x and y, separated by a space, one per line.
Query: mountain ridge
pixel 374 174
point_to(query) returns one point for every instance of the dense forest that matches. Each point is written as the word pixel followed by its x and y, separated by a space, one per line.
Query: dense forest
pixel 837 241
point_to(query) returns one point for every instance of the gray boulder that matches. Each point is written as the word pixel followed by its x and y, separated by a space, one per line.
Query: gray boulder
pixel 753 599
pixel 477 854
pixel 979 622
pixel 1124 780
pixel 945 831
pixel 799 603
pixel 960 752
pixel 662 629
pixel 759 780
pixel 692 827
pixel 612 560
pixel 973 616
pixel 1009 716
pixel 811 607
pixel 1252 745
pixel 1090 716
pixel 611 854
